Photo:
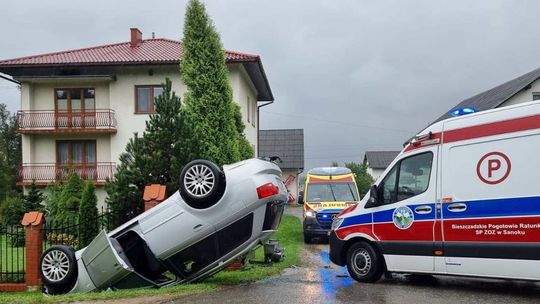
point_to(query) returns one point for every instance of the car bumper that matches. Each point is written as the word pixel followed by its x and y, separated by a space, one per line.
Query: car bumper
pixel 337 248
pixel 313 228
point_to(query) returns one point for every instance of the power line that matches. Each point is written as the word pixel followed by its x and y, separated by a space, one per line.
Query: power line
pixel 338 122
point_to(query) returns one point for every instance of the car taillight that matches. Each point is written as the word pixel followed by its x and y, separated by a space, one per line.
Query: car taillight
pixel 347 210
pixel 267 190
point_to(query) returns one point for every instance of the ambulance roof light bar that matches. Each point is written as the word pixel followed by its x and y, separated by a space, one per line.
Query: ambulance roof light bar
pixel 462 111
pixel 425 140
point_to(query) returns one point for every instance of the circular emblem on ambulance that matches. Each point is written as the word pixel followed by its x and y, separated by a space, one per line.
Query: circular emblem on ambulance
pixel 403 217
pixel 493 168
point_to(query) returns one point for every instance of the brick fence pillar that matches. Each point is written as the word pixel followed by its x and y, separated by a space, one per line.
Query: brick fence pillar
pixel 153 195
pixel 33 223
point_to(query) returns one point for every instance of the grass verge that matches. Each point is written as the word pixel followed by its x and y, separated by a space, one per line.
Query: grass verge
pixel 289 235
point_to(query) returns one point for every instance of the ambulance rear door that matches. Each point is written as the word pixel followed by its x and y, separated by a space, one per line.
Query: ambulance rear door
pixel 490 194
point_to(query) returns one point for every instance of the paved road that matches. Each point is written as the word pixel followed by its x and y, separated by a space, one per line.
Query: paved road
pixel 317 280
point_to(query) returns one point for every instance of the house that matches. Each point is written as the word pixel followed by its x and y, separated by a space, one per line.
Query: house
pixel 521 89
pixel 288 145
pixel 80 107
pixel 378 161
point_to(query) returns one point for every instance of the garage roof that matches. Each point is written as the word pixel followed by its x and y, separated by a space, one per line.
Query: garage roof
pixel 380 159
pixel 288 144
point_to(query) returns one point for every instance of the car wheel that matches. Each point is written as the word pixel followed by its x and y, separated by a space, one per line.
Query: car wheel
pixel 364 263
pixel 201 184
pixel 307 238
pixel 58 269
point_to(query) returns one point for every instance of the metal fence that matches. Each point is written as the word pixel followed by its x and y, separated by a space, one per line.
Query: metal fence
pixel 72 232
pixel 12 254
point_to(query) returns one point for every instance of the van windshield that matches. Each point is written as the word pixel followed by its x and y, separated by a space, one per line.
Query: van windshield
pixel 331 192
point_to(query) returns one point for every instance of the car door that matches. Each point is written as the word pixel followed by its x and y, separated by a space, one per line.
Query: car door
pixel 404 218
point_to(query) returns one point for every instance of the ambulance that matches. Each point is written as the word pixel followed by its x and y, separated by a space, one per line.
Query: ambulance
pixel 462 198
pixel 327 192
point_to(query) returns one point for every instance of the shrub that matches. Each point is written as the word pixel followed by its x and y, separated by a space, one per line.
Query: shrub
pixel 12 211
pixel 88 215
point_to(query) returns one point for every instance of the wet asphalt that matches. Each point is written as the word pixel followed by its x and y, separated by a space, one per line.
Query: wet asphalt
pixel 317 280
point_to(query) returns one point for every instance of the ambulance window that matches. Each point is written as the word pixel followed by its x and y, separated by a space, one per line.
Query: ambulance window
pixel 414 173
pixel 388 189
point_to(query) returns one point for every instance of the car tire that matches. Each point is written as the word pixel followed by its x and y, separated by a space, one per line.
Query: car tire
pixel 364 263
pixel 307 238
pixel 58 269
pixel 202 184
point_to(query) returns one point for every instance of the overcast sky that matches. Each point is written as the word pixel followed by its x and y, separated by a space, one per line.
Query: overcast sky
pixel 355 75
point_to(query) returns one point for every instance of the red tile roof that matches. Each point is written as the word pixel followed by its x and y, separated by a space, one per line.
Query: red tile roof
pixel 150 51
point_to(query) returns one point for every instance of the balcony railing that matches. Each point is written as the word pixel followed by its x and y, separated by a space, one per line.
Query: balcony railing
pixel 45 174
pixel 46 121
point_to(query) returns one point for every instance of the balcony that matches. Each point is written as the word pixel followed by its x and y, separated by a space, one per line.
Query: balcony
pixel 45 174
pixel 47 121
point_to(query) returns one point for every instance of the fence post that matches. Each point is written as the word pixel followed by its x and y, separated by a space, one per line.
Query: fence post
pixel 33 223
pixel 153 195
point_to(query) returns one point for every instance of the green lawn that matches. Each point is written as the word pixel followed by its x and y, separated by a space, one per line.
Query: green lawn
pixel 289 235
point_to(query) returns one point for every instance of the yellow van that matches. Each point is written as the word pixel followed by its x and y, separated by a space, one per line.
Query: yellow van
pixel 327 192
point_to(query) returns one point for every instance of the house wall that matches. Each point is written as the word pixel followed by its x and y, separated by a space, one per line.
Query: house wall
pixel 40 96
pixel 43 149
pixel 293 186
pixel 244 92
pixel 122 100
pixel 375 173
pixel 119 95
pixel 523 96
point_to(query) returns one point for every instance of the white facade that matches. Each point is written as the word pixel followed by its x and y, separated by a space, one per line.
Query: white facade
pixel 375 173
pixel 118 94
pixel 523 96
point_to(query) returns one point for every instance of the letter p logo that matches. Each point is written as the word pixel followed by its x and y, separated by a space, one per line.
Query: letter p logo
pixel 493 168
pixel 493 165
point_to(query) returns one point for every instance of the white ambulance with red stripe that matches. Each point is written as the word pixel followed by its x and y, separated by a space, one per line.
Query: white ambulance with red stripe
pixel 462 198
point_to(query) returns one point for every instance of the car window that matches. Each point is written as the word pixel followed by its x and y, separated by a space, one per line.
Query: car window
pixel 320 192
pixel 344 192
pixel 331 192
pixel 414 175
pixel 408 178
pixel 387 191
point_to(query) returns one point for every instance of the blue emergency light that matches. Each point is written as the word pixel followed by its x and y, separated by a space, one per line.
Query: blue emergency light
pixel 325 216
pixel 462 111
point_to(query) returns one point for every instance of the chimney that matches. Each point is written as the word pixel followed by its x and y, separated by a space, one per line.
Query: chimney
pixel 136 37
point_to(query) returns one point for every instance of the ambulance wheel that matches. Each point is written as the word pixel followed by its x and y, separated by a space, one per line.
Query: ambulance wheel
pixel 307 238
pixel 202 184
pixel 364 263
pixel 58 269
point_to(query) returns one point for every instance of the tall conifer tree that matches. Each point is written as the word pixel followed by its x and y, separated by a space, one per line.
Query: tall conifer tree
pixel 209 114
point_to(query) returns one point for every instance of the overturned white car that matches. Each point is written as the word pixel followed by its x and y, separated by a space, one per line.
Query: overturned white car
pixel 215 217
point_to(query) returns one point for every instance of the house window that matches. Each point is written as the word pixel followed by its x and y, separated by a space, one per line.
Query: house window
pixel 76 155
pixel 145 96
pixel 75 100
pixel 536 96
pixel 254 114
pixel 248 109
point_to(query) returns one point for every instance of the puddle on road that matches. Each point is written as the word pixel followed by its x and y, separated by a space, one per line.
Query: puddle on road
pixel 329 278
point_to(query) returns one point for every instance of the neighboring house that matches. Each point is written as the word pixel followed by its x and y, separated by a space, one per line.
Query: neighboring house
pixel 378 161
pixel 288 145
pixel 79 108
pixel 521 89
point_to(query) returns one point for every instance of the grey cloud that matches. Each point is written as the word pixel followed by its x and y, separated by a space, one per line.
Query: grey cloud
pixel 384 68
